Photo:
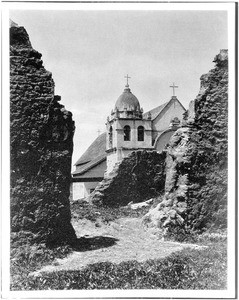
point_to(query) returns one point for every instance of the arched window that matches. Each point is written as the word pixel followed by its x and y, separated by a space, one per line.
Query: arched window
pixel 141 133
pixel 111 137
pixel 127 133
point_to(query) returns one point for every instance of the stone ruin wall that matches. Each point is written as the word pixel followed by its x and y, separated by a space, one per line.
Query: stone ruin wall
pixel 41 135
pixel 196 165
pixel 139 177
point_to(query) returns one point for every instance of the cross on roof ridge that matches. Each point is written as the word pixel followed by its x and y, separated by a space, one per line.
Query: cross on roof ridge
pixel 173 86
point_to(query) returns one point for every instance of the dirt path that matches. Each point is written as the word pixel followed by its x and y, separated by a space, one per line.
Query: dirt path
pixel 122 240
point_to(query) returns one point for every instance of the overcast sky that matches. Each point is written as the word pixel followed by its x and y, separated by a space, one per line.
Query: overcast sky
pixel 90 52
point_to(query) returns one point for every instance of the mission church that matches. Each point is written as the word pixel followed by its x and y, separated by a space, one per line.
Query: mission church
pixel 128 129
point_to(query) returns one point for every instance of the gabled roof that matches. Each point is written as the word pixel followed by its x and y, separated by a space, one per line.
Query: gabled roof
pixel 96 150
pixel 86 167
pixel 157 110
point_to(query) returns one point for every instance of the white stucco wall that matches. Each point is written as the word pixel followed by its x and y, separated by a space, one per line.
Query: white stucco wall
pixel 81 190
pixel 118 134
pixel 134 124
pixel 162 122
pixel 78 190
pixel 111 161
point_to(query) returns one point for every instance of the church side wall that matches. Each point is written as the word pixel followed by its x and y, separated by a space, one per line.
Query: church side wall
pixel 81 190
pixel 89 187
pixel 77 190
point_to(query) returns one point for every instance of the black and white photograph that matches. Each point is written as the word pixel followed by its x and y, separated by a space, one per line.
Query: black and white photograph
pixel 118 150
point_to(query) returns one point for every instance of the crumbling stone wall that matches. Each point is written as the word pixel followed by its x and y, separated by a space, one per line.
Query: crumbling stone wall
pixel 139 177
pixel 196 164
pixel 41 134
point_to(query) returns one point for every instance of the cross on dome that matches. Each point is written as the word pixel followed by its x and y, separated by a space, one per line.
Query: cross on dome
pixel 174 87
pixel 127 77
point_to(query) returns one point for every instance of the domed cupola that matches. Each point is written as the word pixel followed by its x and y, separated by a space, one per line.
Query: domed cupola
pixel 127 101
pixel 127 105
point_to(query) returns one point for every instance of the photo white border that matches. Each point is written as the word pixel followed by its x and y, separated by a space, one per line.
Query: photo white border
pixel 82 294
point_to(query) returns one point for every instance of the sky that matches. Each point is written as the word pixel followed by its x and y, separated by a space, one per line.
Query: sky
pixel 90 52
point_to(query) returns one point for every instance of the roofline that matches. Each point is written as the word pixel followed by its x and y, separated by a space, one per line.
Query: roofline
pixel 78 162
pixel 165 104
pixel 168 105
pixel 90 167
pixel 85 162
pixel 180 104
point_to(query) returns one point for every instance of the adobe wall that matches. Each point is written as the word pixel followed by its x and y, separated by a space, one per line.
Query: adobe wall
pixel 196 165
pixel 41 135
pixel 138 177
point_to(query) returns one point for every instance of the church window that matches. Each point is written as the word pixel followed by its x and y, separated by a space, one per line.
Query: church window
pixel 141 133
pixel 127 133
pixel 111 137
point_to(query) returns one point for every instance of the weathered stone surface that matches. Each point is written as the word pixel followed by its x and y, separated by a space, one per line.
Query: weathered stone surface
pixel 139 177
pixel 196 164
pixel 41 133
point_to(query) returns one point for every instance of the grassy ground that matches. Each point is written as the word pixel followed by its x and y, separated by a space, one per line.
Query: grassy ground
pixel 186 269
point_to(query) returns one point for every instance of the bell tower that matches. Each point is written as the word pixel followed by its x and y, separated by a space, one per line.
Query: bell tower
pixel 127 130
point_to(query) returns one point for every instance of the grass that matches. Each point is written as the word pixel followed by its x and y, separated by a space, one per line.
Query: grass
pixel 187 269
pixel 27 258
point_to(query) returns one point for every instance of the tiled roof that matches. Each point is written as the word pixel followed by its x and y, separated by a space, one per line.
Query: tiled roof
pixel 97 148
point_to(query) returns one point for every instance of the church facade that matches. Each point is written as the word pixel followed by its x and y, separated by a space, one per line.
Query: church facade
pixel 127 129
